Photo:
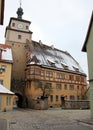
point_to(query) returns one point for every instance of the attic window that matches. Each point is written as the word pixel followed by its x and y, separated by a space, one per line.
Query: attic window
pixel 64 66
pixel 51 63
pixel 34 59
pixel 76 69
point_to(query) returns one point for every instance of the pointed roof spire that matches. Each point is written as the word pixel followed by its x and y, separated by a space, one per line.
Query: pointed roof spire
pixel 20 3
pixel 20 11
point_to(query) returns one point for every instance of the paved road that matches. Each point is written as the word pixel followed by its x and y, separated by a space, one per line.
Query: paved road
pixel 53 119
pixel 3 124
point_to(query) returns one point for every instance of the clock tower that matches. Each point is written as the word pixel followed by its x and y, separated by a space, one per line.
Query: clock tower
pixel 16 35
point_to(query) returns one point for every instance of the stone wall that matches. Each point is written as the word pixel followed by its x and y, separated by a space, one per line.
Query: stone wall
pixel 39 104
pixel 80 104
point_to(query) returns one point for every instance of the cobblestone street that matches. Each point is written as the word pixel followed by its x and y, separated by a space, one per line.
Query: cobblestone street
pixel 52 119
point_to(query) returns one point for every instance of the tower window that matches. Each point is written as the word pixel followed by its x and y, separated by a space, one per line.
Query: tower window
pixel 19 36
pixel 13 24
pixel 26 27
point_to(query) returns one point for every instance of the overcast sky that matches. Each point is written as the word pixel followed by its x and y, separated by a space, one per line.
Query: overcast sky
pixel 62 23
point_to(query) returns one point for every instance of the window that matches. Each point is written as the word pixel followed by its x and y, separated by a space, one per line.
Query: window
pixel 13 24
pixel 82 79
pixel 19 37
pixel 34 59
pixel 49 84
pixel 56 98
pixel 42 73
pixel 77 78
pixel 3 67
pixel 65 86
pixel 71 87
pixel 71 77
pixel 58 75
pixel 49 74
pixel 58 86
pixel 37 72
pixel 78 87
pixel 12 44
pixel 76 69
pixel 51 98
pixel 7 101
pixel 72 97
pixel 32 71
pixel 64 66
pixel 26 27
pixel 1 82
pixel 66 97
pixel 61 76
pixel 52 64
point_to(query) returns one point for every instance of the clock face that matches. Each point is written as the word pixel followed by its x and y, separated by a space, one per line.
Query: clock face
pixel 20 26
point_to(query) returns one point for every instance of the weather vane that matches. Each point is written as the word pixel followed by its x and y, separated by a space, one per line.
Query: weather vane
pixel 20 3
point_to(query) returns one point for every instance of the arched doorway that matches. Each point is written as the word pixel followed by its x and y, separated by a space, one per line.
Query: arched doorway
pixel 20 100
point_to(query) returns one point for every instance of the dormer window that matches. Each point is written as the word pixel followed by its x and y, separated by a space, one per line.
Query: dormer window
pixel 34 59
pixel 52 64
pixel 64 66
pixel 76 69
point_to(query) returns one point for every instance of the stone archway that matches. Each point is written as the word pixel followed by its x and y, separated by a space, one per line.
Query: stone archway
pixel 20 100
